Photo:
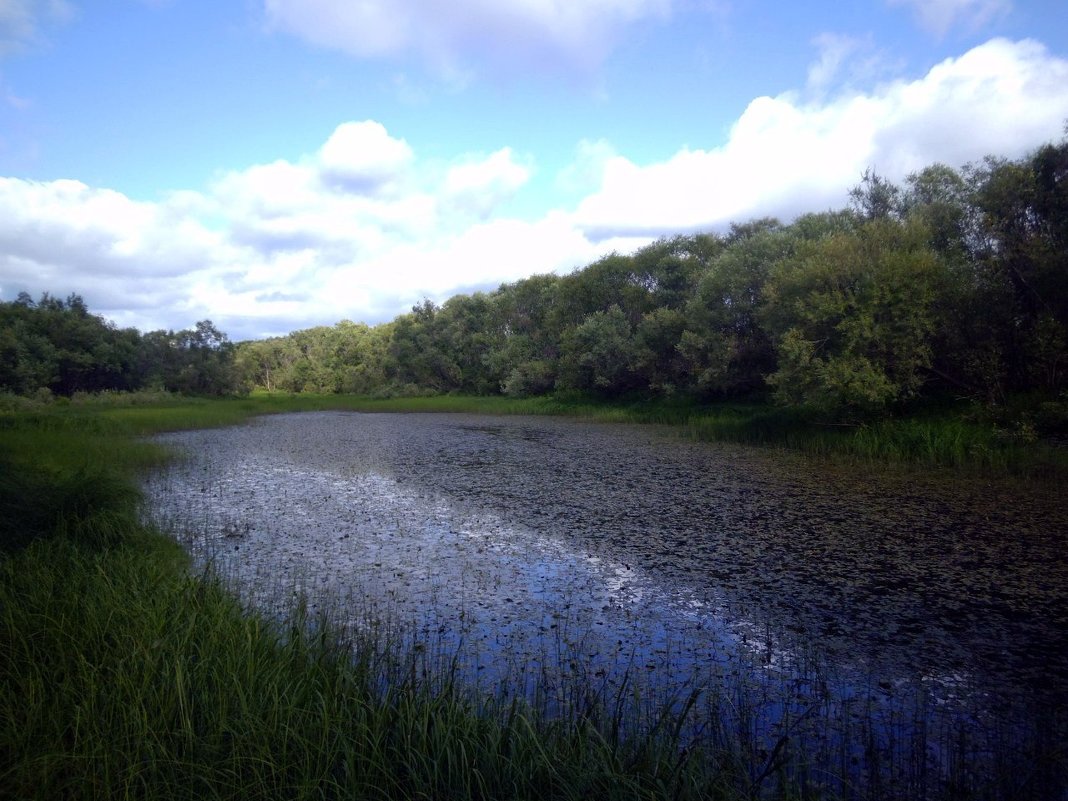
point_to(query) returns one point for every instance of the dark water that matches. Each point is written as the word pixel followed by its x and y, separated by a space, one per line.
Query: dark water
pixel 928 615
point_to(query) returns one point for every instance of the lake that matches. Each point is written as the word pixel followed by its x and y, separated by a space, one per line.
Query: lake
pixel 903 629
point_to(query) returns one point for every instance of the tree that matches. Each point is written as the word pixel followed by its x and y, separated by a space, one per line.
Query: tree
pixel 467 335
pixel 60 346
pixel 725 348
pixel 206 363
pixel 657 358
pixel 524 347
pixel 851 319
pixel 601 354
pixel 875 198
pixel 417 358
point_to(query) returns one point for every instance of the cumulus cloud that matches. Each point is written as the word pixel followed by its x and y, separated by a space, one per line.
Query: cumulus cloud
pixel 363 157
pixel 478 186
pixel 785 156
pixel 131 258
pixel 364 226
pixel 450 34
pixel 350 230
pixel 938 16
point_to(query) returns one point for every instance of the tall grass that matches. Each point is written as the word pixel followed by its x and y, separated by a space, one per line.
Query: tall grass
pixel 927 442
pixel 125 677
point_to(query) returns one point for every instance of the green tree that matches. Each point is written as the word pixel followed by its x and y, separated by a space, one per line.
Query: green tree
pixel 724 346
pixel 524 351
pixel 601 354
pixel 851 318
pixel 657 357
pixel 417 359
pixel 468 335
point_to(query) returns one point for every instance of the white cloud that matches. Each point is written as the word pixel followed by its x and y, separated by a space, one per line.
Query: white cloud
pixel 449 35
pixel 363 157
pixel 938 16
pixel 363 227
pixel 132 259
pixel 360 228
pixel 785 156
pixel 478 186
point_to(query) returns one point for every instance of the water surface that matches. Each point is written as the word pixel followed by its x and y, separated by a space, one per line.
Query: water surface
pixel 611 550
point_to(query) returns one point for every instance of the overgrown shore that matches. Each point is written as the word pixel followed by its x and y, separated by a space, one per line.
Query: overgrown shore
pixel 125 676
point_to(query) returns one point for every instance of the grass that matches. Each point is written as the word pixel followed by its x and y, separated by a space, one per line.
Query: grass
pixel 943 441
pixel 125 677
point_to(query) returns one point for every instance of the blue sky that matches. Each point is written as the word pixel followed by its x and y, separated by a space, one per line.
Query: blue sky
pixel 277 164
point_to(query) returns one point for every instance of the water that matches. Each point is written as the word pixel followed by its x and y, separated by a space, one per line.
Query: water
pixel 929 617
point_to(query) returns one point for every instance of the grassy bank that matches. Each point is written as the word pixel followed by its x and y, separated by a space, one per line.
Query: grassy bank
pixel 1027 443
pixel 123 676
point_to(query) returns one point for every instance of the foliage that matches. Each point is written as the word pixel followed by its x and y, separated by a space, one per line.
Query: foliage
pixel 850 315
pixel 60 347
pixel 724 346
pixel 599 353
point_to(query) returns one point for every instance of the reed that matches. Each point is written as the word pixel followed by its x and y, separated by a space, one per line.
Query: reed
pixel 124 676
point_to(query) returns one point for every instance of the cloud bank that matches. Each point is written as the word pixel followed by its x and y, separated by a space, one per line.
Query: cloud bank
pixel 365 226
pixel 786 156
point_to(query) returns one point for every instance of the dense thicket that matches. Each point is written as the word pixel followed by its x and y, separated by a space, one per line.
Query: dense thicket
pixel 56 346
pixel 954 283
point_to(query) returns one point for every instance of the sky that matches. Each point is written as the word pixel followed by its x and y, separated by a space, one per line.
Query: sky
pixel 274 165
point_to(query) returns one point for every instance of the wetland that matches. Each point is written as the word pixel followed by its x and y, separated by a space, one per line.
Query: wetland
pixel 899 629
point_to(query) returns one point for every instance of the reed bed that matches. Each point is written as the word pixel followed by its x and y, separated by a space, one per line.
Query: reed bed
pixel 126 677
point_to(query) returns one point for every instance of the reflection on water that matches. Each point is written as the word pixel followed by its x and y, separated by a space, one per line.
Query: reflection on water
pixel 825 605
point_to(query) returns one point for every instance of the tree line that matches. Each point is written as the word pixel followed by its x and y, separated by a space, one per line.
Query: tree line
pixel 56 346
pixel 953 283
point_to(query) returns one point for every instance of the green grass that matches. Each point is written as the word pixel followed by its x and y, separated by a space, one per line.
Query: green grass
pixel 125 677
pixel 924 442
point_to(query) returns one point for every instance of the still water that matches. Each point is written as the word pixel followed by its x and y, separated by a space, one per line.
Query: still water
pixel 909 631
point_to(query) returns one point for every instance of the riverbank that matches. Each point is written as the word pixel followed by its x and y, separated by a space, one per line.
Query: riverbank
pixel 123 675
pixel 129 677
pixel 1026 442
